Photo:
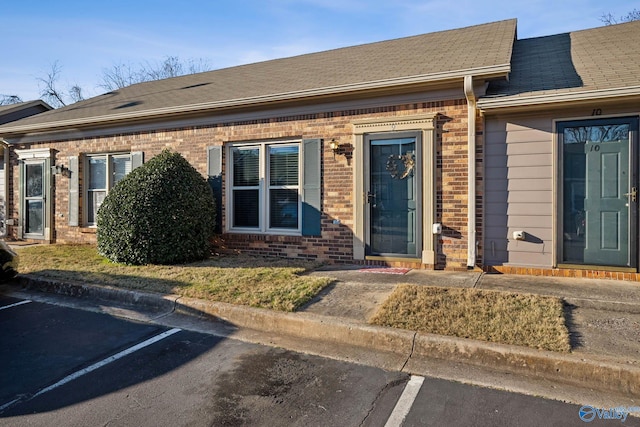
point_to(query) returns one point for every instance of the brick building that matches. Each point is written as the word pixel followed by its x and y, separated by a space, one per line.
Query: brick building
pixel 394 152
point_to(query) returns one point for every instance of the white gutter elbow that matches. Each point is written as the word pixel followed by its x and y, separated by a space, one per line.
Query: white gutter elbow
pixel 471 178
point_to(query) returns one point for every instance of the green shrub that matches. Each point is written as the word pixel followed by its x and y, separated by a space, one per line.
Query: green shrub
pixel 163 212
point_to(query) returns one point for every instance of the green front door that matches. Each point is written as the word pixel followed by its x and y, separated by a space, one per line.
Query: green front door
pixel 599 192
pixel 393 197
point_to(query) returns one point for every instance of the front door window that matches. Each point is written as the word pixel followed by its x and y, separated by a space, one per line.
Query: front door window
pixel 393 197
pixel 599 192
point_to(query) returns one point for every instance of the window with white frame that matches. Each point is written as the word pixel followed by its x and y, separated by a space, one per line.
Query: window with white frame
pixel 103 171
pixel 265 191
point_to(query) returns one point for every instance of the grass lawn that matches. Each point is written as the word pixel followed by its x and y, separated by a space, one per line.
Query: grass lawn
pixel 272 283
pixel 521 319
pixel 280 284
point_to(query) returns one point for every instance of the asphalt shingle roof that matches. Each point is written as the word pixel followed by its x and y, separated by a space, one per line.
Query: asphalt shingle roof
pixel 4 109
pixel 433 56
pixel 596 59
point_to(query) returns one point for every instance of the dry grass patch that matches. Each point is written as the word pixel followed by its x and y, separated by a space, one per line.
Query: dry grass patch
pixel 272 283
pixel 521 319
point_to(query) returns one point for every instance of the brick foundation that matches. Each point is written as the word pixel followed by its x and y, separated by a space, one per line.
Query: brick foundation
pixel 561 272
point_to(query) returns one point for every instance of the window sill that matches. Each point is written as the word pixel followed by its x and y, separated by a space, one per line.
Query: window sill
pixel 89 230
pixel 239 236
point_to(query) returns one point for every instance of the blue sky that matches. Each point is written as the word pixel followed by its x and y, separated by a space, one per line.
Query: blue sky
pixel 86 37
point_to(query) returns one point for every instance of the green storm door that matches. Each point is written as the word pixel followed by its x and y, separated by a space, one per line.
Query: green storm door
pixel 34 198
pixel 599 192
pixel 393 197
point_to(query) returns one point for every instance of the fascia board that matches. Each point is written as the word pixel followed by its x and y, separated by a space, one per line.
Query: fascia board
pixel 482 72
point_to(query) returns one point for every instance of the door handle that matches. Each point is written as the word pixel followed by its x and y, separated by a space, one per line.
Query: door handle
pixel 371 198
pixel 633 194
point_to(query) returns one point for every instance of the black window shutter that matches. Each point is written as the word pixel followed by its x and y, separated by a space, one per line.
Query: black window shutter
pixel 311 190
pixel 214 171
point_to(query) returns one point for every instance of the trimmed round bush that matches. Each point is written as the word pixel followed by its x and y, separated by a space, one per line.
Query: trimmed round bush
pixel 163 212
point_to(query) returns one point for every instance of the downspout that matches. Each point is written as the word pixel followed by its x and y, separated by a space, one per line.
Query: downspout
pixel 471 167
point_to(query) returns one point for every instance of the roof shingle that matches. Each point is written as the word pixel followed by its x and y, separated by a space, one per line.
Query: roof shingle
pixel 596 59
pixel 433 55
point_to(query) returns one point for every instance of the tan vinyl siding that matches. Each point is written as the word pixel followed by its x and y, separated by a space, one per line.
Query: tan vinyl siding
pixel 519 191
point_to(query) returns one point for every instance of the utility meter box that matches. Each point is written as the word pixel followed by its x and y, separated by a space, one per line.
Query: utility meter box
pixel 519 235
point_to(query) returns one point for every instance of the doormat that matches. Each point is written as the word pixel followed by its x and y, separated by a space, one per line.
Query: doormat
pixel 385 270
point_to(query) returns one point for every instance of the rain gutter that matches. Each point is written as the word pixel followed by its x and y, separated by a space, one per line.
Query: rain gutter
pixel 544 99
pixel 107 119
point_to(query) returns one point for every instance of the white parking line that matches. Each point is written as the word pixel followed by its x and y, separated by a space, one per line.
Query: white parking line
pixel 405 402
pixel 100 364
pixel 27 301
pixel 6 405
pixel 108 360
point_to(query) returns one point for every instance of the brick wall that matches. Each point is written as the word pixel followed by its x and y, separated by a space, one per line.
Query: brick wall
pixel 452 186
pixel 335 244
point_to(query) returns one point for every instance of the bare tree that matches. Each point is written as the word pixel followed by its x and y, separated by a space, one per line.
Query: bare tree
pixel 9 99
pixel 609 19
pixel 116 77
pixel 51 92
pixel 75 93
pixel 170 67
pixel 122 75
pixel 119 76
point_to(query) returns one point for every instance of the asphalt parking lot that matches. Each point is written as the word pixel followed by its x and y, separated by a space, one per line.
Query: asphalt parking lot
pixel 72 367
pixel 65 366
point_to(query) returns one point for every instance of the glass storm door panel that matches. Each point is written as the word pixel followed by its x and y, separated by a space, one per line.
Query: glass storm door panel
pixel 34 198
pixel 393 197
pixel 599 201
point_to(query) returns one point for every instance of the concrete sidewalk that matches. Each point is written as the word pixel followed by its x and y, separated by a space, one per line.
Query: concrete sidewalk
pixel 603 317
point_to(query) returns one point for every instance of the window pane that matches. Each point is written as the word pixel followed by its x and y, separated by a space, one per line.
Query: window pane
pixel 246 208
pixel 121 167
pixel 35 223
pixel 95 201
pixel 595 134
pixel 283 166
pixel 34 180
pixel 246 167
pixel 283 210
pixel 98 173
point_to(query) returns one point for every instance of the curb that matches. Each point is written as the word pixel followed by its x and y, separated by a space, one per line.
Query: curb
pixel 570 369
pixel 309 326
pixel 78 290
pixel 603 375
pixel 567 368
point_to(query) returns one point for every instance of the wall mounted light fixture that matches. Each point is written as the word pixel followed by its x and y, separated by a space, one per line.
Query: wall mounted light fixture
pixel 343 149
pixel 60 170
pixel 335 147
